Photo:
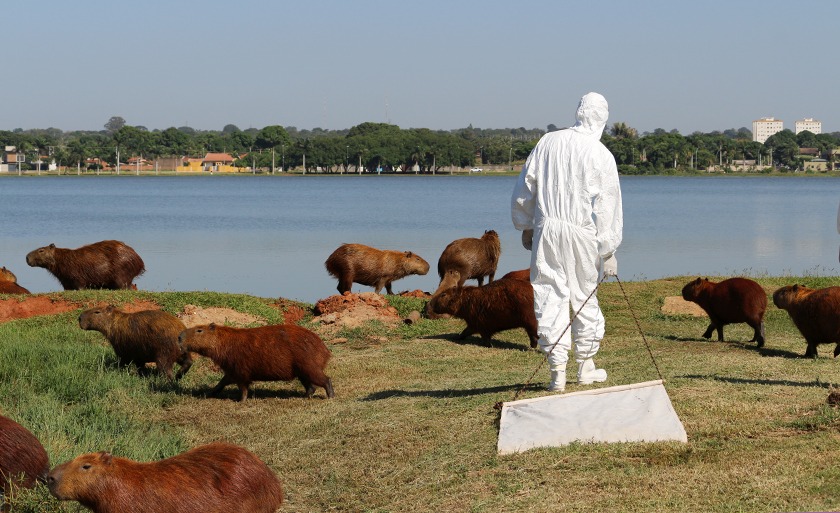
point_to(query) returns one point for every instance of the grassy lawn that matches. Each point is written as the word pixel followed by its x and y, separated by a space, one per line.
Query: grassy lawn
pixel 412 427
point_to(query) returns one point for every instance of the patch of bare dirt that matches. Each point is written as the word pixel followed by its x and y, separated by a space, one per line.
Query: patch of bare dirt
pixel 292 312
pixel 195 316
pixel 35 305
pixel 353 310
pixel 675 305
pixel 415 293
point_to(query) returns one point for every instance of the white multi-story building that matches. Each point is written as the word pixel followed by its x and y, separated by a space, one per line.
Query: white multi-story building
pixel 810 124
pixel 765 127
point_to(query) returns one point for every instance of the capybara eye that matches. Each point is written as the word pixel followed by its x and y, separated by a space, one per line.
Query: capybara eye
pixel 86 466
pixel 199 331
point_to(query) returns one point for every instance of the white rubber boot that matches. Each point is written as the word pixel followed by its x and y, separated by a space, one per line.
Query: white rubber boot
pixel 588 374
pixel 558 381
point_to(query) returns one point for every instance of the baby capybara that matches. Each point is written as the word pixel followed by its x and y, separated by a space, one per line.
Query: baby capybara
pixel 730 301
pixel 109 264
pixel 141 337
pixel 377 268
pixel 279 352
pixel 213 478
pixel 473 258
pixel 8 283
pixel 815 312
pixel 450 279
pixel 495 307
pixel 23 460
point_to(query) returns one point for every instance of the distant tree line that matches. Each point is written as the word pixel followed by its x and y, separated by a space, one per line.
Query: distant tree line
pixel 370 147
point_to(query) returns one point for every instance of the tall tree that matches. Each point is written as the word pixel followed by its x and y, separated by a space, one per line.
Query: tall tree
pixel 114 124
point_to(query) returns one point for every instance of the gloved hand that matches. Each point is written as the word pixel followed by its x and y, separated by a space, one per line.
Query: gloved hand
pixel 610 266
pixel 527 239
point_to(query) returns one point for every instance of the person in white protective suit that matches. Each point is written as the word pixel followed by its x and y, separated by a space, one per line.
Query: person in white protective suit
pixel 567 202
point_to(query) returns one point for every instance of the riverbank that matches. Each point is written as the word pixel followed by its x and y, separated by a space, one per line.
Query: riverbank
pixel 485 171
pixel 412 426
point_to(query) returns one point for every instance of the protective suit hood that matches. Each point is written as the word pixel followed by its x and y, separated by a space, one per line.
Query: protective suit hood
pixel 592 114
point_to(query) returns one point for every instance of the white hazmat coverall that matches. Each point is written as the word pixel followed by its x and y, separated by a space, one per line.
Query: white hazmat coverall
pixel 568 193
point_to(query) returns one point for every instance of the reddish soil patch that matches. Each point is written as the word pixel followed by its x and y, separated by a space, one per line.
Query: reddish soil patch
pixel 353 310
pixel 31 306
pixel 35 305
pixel 195 316
pixel 415 293
pixel 292 313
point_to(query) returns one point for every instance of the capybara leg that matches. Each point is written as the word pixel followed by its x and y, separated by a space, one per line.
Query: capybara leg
pixel 165 368
pixel 480 281
pixel 388 288
pixel 329 388
pixel 709 330
pixel 243 388
pixel 491 277
pixel 811 351
pixel 836 350
pixel 720 333
pixel 466 333
pixel 225 381
pixel 185 362
pixel 758 336
pixel 345 283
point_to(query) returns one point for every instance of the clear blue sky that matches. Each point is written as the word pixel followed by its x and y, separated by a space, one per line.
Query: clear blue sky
pixel 440 64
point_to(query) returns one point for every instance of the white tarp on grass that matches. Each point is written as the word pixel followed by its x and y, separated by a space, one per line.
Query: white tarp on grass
pixel 640 412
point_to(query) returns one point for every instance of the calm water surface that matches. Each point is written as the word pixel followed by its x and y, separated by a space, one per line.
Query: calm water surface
pixel 270 236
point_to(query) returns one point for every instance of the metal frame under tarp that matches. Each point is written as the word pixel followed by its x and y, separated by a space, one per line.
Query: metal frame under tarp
pixel 640 412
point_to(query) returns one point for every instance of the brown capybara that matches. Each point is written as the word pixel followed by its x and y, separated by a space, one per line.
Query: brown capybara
pixel 8 283
pixel 377 268
pixel 728 302
pixel 109 264
pixel 213 478
pixel 497 306
pixel 280 352
pixel 473 258
pixel 815 312
pixel 450 279
pixel 23 460
pixel 141 337
pixel 522 274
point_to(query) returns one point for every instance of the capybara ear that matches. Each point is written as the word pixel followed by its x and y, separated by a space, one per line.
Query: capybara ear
pixel 212 326
pixel 52 245
pixel 105 457
pixel 109 308
pixel 409 254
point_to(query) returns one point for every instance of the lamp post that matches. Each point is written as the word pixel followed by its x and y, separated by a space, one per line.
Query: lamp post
pixel 346 155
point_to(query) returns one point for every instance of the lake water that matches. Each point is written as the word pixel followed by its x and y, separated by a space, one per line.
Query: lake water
pixel 269 236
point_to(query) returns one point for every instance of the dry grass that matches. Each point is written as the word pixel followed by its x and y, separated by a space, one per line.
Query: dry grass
pixel 412 427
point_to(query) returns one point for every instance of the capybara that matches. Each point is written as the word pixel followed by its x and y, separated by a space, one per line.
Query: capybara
pixel 497 306
pixel 377 268
pixel 728 302
pixel 522 274
pixel 281 352
pixel 815 312
pixel 473 258
pixel 214 478
pixel 23 460
pixel 109 264
pixel 8 283
pixel 141 337
pixel 450 279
